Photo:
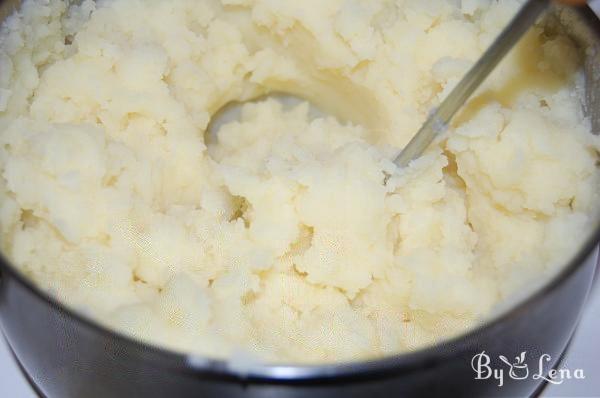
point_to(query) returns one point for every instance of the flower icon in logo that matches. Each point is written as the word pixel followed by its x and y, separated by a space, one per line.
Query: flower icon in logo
pixel 518 369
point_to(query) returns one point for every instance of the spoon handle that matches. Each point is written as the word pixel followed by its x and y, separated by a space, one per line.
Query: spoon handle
pixel 440 117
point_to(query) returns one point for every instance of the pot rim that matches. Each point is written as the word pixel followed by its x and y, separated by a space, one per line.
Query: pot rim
pixel 232 369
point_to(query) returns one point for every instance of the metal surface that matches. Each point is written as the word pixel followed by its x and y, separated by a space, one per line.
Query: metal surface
pixel 69 355
pixel 440 117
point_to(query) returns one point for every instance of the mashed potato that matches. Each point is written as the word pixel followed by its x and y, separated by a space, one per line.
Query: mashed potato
pixel 279 237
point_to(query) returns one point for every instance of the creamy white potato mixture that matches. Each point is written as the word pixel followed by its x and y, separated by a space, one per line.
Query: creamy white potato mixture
pixel 278 237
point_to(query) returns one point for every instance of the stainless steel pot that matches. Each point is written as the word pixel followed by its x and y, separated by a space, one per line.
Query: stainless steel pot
pixel 66 355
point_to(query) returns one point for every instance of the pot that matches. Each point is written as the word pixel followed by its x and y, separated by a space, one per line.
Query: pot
pixel 65 354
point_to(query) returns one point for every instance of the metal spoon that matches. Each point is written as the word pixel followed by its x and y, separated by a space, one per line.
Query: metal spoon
pixel 440 117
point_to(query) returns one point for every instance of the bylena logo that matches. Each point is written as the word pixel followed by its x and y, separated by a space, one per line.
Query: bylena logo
pixel 519 369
